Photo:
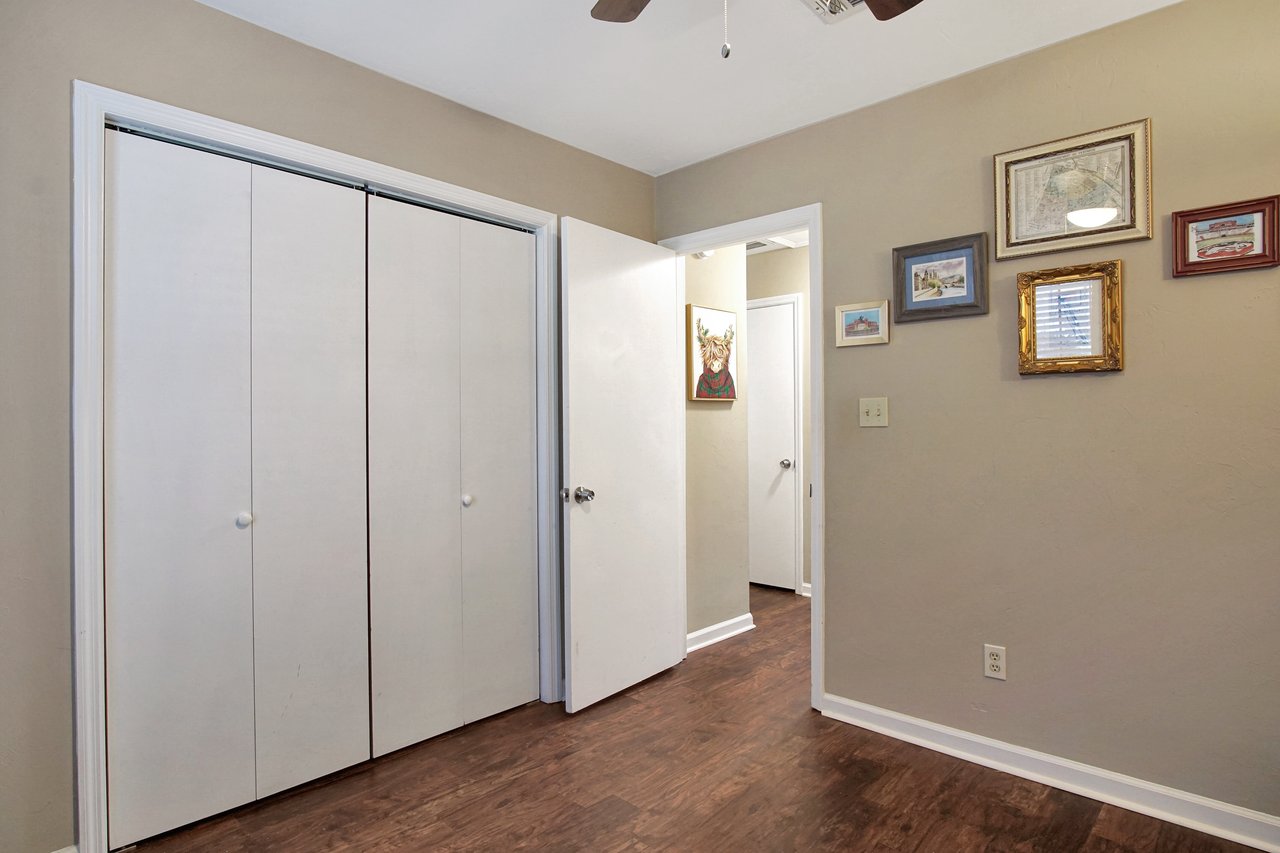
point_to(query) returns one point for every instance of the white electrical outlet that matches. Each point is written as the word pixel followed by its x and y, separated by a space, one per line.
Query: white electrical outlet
pixel 994 664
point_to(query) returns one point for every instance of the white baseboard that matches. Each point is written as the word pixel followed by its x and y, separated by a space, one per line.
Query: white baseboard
pixel 71 849
pixel 1224 820
pixel 806 589
pixel 704 637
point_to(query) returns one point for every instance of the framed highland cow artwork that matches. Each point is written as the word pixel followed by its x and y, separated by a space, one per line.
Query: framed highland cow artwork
pixel 713 353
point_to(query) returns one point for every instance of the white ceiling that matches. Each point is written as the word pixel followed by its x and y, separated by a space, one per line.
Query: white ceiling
pixel 655 94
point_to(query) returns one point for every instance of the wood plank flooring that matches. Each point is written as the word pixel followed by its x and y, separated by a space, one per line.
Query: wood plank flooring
pixel 722 753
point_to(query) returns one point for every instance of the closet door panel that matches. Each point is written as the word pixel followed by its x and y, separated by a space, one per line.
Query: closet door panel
pixel 309 530
pixel 414 491
pixel 178 576
pixel 499 470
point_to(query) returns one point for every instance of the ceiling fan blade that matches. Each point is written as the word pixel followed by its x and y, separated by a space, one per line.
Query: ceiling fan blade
pixel 618 11
pixel 883 9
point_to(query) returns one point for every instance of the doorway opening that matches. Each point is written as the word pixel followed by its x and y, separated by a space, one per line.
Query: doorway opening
pixel 754 465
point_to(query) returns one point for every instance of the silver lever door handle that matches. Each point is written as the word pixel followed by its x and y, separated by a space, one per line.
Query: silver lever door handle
pixel 785 463
pixel 582 494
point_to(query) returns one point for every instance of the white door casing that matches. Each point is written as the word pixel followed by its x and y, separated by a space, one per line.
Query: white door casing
pixel 775 477
pixel 96 108
pixel 176 460
pixel 622 392
pixel 809 218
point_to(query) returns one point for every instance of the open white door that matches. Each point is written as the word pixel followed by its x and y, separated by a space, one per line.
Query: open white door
pixel 622 378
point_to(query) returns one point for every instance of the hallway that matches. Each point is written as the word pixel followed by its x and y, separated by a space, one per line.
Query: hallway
pixel 722 753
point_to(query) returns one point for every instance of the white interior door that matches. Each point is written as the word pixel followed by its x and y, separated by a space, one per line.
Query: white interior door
pixel 499 471
pixel 415 533
pixel 773 463
pixel 178 572
pixel 623 420
pixel 310 561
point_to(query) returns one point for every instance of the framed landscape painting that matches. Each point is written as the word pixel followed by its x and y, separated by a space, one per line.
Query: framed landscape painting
pixel 713 354
pixel 1237 236
pixel 943 278
pixel 862 323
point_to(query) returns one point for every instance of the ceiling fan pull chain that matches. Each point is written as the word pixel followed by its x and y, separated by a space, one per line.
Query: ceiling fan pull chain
pixel 724 49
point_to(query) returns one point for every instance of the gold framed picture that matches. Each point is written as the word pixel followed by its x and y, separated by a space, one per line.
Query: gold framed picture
pixel 1070 319
pixel 1085 190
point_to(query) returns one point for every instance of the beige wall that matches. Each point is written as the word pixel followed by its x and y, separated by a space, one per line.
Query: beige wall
pixel 1117 532
pixel 779 273
pixel 716 452
pixel 181 53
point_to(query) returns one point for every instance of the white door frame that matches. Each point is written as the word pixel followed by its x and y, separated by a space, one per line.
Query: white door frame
pixel 796 300
pixel 809 217
pixel 93 109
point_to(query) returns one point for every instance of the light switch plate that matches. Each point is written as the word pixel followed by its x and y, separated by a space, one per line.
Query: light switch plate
pixel 873 411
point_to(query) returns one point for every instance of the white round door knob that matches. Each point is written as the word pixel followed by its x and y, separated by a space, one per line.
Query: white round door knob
pixel 244 519
pixel 467 500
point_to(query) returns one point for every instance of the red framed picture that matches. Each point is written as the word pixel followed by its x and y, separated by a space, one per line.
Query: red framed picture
pixel 1237 236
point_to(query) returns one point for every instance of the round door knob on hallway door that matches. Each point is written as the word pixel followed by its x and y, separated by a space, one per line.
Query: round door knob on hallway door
pixel 785 463
pixel 582 494
pixel 467 500
pixel 244 519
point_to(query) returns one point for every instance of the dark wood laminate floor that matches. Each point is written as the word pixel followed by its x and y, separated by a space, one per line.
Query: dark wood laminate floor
pixel 723 753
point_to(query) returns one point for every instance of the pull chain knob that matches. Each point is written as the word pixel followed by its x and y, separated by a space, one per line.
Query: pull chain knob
pixel 725 48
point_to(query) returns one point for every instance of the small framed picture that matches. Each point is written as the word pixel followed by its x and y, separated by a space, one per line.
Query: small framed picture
pixel 713 353
pixel 944 278
pixel 1085 190
pixel 862 323
pixel 1070 319
pixel 1237 236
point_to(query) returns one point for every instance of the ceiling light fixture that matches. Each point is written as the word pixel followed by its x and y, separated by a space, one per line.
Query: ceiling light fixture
pixel 1092 217
pixel 1092 200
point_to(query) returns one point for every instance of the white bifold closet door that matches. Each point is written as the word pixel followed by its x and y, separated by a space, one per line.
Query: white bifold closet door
pixel 415 527
pixel 499 471
pixel 452 471
pixel 310 554
pixel 179 571
pixel 234 483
